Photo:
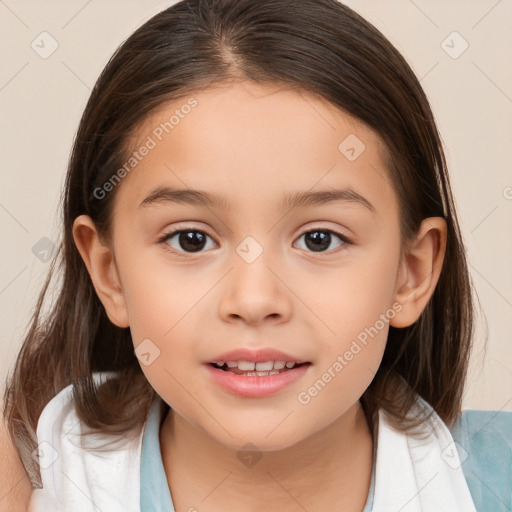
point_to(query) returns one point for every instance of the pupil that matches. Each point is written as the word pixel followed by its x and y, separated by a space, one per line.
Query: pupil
pixel 317 240
pixel 192 240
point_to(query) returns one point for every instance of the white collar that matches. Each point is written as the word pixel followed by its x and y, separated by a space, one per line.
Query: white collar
pixel 419 475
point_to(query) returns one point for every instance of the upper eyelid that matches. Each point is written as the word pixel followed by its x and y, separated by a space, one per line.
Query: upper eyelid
pixel 179 229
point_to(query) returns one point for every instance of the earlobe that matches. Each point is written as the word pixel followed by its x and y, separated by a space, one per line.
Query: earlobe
pixel 420 270
pixel 100 263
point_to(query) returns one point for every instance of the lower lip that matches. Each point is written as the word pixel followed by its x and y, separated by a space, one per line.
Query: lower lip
pixel 256 387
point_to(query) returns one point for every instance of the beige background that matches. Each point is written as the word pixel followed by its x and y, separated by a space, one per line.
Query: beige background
pixel 41 101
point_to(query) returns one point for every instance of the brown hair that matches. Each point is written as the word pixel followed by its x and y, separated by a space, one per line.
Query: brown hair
pixel 320 46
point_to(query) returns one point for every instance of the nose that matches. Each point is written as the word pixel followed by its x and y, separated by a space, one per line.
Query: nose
pixel 255 292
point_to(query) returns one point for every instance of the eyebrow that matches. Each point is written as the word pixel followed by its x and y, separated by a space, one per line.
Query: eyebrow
pixel 163 195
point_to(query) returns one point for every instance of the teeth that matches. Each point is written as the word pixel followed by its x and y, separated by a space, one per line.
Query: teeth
pixel 245 366
pixel 260 374
pixel 266 366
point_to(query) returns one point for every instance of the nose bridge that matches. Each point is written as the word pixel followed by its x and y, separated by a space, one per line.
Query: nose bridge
pixel 254 290
pixel 257 244
pixel 252 262
pixel 251 249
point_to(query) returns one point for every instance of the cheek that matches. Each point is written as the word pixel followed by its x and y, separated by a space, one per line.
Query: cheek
pixel 161 320
pixel 158 294
pixel 166 305
pixel 346 300
pixel 355 305
pixel 348 359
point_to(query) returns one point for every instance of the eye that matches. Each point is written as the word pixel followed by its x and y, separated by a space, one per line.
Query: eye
pixel 193 240
pixel 317 240
pixel 188 240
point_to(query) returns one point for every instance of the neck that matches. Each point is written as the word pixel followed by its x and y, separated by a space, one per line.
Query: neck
pixel 329 468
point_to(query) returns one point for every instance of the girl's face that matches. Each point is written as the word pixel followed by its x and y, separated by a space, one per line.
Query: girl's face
pixel 316 279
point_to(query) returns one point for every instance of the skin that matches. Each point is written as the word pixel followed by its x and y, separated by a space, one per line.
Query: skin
pixel 252 144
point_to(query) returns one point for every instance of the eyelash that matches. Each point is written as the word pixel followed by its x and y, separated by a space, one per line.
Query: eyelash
pixel 167 236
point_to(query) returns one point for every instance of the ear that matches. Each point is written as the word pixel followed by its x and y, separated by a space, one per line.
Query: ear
pixel 101 265
pixel 420 270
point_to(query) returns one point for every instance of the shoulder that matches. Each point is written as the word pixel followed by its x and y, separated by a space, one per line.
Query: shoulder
pixel 62 402
pixel 484 443
pixel 78 469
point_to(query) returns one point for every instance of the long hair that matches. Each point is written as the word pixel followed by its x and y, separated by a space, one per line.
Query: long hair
pixel 319 46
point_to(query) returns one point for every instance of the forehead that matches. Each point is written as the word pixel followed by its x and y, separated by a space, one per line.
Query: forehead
pixel 251 143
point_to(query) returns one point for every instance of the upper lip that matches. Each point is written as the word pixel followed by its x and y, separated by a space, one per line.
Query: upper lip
pixel 256 355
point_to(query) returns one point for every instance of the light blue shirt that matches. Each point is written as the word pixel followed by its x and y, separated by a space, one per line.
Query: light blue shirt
pixel 483 440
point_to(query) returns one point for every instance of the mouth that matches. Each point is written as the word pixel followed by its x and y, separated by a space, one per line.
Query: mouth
pixel 256 380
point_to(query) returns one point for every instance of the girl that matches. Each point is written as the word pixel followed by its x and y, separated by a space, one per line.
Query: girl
pixel 265 302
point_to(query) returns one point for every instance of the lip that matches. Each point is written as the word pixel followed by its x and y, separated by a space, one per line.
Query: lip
pixel 256 356
pixel 255 387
